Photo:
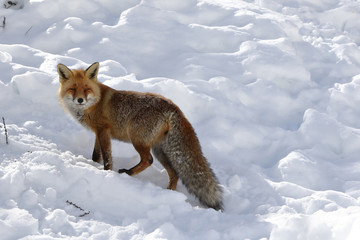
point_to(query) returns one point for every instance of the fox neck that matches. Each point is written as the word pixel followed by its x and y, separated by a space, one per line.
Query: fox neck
pixel 78 111
pixel 78 114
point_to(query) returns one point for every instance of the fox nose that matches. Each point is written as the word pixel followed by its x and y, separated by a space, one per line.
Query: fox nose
pixel 80 100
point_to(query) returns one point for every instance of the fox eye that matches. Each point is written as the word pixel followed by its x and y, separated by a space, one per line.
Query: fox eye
pixel 87 90
pixel 72 89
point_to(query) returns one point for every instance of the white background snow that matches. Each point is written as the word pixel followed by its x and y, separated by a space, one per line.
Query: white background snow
pixel 272 88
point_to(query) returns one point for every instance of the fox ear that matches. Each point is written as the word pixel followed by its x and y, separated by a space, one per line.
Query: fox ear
pixel 92 71
pixel 64 72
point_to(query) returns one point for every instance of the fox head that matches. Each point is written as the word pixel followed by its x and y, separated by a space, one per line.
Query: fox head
pixel 78 88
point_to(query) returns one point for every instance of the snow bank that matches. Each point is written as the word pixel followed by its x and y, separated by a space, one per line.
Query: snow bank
pixel 270 86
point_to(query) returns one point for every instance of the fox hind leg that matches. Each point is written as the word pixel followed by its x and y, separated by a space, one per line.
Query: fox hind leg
pixel 163 159
pixel 145 160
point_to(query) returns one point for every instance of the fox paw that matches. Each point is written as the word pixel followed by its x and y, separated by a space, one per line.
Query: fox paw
pixel 123 170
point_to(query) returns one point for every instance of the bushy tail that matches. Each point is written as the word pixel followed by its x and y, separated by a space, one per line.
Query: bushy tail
pixel 183 151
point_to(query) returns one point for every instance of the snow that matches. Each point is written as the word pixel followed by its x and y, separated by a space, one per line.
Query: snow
pixel 271 87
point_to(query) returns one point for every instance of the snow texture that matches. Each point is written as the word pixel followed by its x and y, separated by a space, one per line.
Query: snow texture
pixel 272 88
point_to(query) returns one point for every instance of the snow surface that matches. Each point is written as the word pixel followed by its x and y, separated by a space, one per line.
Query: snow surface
pixel 272 88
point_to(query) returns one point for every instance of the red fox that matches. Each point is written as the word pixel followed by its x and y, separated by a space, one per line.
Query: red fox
pixel 148 121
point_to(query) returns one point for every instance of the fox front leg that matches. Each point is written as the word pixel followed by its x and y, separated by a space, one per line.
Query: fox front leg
pixel 104 141
pixel 96 156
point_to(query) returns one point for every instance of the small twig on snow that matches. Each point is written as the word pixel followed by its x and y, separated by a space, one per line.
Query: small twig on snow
pixel 10 4
pixel 3 22
pixel 6 132
pixel 76 206
pixel 84 214
pixel 28 30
